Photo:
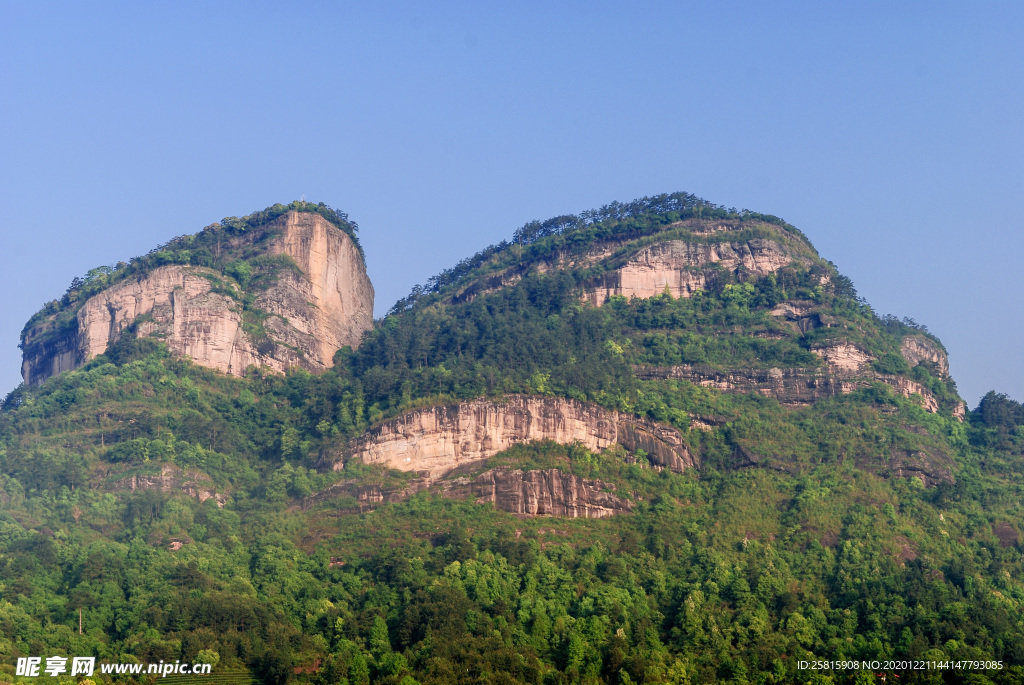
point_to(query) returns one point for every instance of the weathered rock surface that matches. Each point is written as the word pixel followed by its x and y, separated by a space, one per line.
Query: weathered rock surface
pixel 907 388
pixel 680 267
pixel 844 358
pixel 789 386
pixel 930 465
pixel 171 479
pixel 308 317
pixel 548 492
pixel 792 387
pixel 438 440
pixel 803 315
pixel 918 348
pixel 333 301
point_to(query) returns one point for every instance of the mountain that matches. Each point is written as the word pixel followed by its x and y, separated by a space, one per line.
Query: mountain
pixel 661 441
pixel 285 288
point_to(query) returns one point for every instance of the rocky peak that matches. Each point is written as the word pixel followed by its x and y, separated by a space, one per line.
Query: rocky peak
pixel 295 292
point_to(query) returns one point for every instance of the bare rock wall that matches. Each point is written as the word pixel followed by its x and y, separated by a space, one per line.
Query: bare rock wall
pixel 438 440
pixel 548 492
pixel 680 267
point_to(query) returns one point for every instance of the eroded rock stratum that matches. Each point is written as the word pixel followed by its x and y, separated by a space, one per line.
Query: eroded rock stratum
pixel 301 319
pixel 538 492
pixel 846 369
pixel 680 267
pixel 437 440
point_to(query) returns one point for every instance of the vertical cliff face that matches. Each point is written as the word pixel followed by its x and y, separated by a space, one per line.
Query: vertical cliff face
pixel 316 299
pixel 918 348
pixel 171 479
pixel 540 492
pixel 437 440
pixel 547 492
pixel 333 298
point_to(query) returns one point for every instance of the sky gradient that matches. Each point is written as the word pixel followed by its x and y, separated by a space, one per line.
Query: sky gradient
pixel 891 135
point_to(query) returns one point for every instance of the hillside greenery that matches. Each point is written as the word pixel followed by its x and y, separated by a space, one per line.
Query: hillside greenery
pixel 799 538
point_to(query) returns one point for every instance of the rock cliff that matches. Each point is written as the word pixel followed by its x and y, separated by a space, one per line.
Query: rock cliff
pixel 918 348
pixel 437 440
pixel 543 492
pixel 843 358
pixel 680 267
pixel 321 300
pixel 547 492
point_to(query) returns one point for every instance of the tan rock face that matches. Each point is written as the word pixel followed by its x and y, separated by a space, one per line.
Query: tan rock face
pixel 960 411
pixel 802 314
pixel 844 358
pixel 682 267
pixel 793 387
pixel 437 440
pixel 547 492
pixel 918 348
pixel 907 387
pixel 335 284
pixel 312 315
pixel 180 309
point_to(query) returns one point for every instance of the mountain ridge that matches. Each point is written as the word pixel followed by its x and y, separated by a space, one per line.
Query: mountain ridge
pixel 674 484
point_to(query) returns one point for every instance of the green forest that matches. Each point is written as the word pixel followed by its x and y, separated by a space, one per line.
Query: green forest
pixel 863 525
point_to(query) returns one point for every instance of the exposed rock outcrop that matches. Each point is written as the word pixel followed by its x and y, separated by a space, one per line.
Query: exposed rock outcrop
pixel 792 387
pixel 844 358
pixel 918 348
pixel 548 492
pixel 437 440
pixel 908 388
pixel 931 466
pixel 803 315
pixel 305 317
pixel 171 479
pixel 545 492
pixel 680 267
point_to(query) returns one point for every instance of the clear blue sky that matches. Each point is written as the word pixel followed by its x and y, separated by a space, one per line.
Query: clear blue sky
pixel 891 133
